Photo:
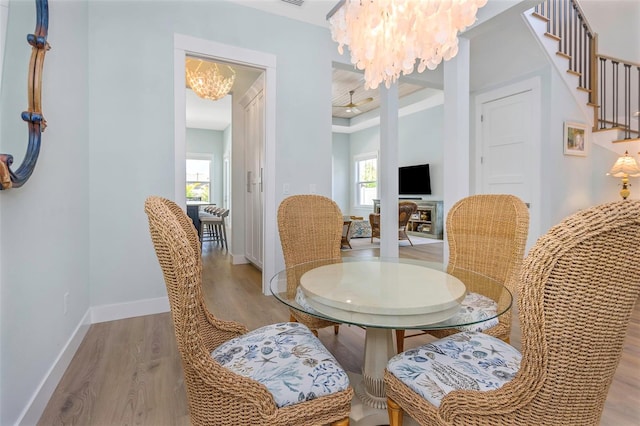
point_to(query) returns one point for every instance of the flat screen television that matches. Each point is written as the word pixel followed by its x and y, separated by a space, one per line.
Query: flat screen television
pixel 414 180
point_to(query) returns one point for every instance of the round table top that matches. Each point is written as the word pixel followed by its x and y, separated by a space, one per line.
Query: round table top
pixel 384 292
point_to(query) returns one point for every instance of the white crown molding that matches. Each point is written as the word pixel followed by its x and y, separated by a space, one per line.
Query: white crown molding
pixel 415 102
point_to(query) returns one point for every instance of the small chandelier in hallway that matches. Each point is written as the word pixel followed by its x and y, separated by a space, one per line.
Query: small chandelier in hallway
pixel 386 37
pixel 209 82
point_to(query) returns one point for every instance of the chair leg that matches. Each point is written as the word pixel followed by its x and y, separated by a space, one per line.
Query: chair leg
pixel 336 328
pixel 395 413
pixel 224 236
pixel 343 422
pixel 400 340
pixel 201 233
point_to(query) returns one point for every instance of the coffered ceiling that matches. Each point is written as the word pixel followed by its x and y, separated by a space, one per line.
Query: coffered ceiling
pixel 344 81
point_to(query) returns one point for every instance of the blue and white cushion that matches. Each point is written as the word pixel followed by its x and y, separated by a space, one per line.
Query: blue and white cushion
pixel 476 307
pixel 288 359
pixel 360 229
pixel 467 360
pixel 301 300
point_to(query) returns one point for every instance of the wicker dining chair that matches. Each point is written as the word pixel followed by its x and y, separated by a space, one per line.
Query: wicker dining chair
pixel 579 285
pixel 487 234
pixel 310 228
pixel 226 381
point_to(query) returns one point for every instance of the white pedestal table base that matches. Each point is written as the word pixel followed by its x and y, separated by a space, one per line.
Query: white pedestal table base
pixel 365 415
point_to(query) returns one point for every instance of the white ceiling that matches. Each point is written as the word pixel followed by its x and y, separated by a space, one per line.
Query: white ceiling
pixel 311 11
pixel 206 114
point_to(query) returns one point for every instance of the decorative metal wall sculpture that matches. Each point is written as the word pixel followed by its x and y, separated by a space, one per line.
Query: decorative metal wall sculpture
pixel 33 116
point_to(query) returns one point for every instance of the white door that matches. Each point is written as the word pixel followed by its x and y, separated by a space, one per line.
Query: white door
pixel 507 155
pixel 226 182
pixel 254 167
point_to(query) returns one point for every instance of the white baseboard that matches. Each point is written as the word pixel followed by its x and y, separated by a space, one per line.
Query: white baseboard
pixel 129 310
pixel 238 259
pixel 96 314
pixel 40 399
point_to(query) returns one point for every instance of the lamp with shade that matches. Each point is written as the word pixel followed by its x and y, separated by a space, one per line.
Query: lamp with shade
pixel 625 167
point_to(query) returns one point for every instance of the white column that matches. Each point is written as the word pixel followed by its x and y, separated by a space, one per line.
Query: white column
pixel 388 171
pixel 456 129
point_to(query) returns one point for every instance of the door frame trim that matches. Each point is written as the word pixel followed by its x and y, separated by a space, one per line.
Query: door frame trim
pixel 183 45
pixel 534 86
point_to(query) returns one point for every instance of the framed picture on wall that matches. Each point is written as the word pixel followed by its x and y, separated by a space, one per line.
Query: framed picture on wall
pixel 575 139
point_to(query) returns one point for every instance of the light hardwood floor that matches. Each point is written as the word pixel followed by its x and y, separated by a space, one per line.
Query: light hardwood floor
pixel 129 371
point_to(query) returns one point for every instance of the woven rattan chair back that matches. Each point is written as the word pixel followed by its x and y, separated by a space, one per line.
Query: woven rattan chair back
pixel 216 396
pixel 579 285
pixel 310 229
pixel 487 234
pixel 374 222
pixel 405 210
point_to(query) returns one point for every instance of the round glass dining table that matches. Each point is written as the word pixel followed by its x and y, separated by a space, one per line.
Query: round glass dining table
pixel 382 294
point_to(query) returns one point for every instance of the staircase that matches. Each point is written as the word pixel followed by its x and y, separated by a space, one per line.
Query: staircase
pixel 606 88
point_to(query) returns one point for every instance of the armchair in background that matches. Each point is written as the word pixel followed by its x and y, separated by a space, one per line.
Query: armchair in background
pixel 405 210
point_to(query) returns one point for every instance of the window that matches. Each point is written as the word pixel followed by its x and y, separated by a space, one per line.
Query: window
pixel 366 179
pixel 198 180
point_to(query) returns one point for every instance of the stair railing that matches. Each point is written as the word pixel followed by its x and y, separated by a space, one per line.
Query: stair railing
pixel 619 82
pixel 613 84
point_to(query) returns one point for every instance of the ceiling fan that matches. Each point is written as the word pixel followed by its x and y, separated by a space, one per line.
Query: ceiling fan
pixel 353 107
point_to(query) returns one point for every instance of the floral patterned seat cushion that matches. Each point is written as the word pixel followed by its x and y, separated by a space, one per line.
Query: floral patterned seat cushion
pixel 288 359
pixel 301 300
pixel 467 360
pixel 476 307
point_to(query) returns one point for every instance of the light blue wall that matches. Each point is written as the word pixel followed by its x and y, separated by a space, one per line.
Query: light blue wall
pixel 44 225
pixel 420 141
pixel 341 185
pixel 140 35
pixel 210 144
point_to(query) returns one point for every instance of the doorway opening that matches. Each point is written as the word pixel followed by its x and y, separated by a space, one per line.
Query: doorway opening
pixel 232 165
pixel 209 130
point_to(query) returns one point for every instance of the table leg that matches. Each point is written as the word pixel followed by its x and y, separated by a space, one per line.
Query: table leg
pixel 378 348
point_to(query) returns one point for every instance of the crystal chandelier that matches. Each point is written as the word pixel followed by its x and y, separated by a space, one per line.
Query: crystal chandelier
pixel 210 83
pixel 386 37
